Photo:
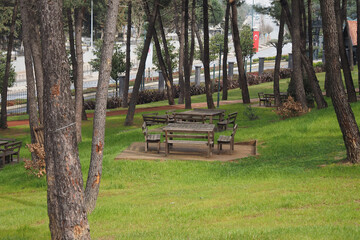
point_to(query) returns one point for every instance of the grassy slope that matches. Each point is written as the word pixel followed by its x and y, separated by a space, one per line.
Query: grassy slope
pixel 294 190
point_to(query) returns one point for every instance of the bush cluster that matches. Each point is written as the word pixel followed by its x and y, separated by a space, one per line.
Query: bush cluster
pixel 290 108
pixel 148 96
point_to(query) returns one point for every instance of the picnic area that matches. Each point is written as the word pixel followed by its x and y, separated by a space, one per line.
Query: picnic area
pixel 295 187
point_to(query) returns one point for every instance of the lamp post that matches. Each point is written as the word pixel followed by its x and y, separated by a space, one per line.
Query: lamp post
pixel 218 93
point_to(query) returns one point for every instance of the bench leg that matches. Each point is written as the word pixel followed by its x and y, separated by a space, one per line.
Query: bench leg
pixel 166 148
pixel 159 148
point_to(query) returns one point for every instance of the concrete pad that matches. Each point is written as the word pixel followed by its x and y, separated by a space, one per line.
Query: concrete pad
pixel 187 152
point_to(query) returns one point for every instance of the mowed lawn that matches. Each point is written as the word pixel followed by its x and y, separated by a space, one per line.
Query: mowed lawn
pixel 297 188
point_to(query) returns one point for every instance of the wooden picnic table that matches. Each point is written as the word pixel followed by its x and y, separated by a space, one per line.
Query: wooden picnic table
pixel 202 114
pixel 189 133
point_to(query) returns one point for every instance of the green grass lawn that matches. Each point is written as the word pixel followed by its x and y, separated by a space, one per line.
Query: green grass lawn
pixel 296 188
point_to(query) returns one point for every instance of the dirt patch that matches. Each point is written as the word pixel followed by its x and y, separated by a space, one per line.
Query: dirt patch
pixel 186 152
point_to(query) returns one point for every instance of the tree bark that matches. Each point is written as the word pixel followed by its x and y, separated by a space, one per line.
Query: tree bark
pixel 238 52
pixel 72 42
pixel 97 146
pixel 278 58
pixel 131 110
pixel 161 60
pixel 315 87
pixel 351 94
pixel 296 39
pixel 66 210
pixel 342 108
pixel 30 81
pixel 344 17
pixel 36 56
pixel 206 57
pixel 128 60
pixel 226 49
pixel 310 34
pixel 181 56
pixel 200 43
pixel 7 69
pixel 186 55
pixel 314 83
pixel 79 15
pixel 167 54
pixel 358 40
pixel 192 46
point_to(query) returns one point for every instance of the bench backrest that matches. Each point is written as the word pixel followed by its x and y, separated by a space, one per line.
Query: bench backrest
pixel 14 146
pixel 232 117
pixel 261 94
pixel 234 131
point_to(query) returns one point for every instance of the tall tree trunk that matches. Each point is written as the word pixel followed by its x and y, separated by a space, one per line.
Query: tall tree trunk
pixel 30 81
pixel 131 110
pixel 278 59
pixel 320 101
pixel 344 17
pixel 310 34
pixel 200 43
pixel 181 56
pixel 66 209
pixel 351 51
pixel 238 52
pixel 79 15
pixel 161 60
pixel 351 94
pixel 206 57
pixel 186 55
pixel 314 83
pixel 36 55
pixel 303 31
pixel 167 54
pixel 342 108
pixel 69 16
pixel 97 146
pixel 226 49
pixel 7 69
pixel 192 45
pixel 296 51
pixel 358 40
pixel 128 60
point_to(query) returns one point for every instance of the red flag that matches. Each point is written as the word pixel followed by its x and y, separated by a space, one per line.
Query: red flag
pixel 256 40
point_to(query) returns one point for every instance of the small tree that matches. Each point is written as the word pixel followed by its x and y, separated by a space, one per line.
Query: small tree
pixel 173 55
pixel 247 42
pixel 214 47
pixel 118 62
pixel 2 72
pixel 117 66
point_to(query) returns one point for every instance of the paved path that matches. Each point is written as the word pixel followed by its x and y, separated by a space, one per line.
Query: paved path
pixel 138 110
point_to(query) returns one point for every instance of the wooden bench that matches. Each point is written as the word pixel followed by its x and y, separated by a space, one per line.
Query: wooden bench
pixel 190 134
pixel 231 118
pixel 150 138
pixel 263 99
pixel 154 119
pixel 190 140
pixel 9 150
pixel 227 140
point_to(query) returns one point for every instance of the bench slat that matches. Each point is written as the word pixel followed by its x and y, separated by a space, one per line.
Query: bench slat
pixel 186 136
pixel 189 142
